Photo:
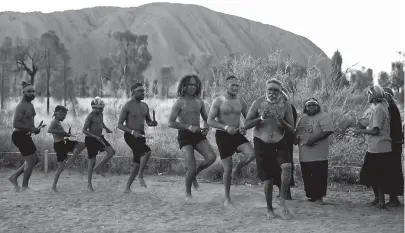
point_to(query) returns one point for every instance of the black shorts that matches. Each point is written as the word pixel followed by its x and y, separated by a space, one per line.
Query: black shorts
pixel 186 137
pixel 23 142
pixel 137 145
pixel 62 148
pixel 94 146
pixel 228 144
pixel 270 157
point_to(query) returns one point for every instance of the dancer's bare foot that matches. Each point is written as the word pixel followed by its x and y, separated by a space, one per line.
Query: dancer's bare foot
pixel 285 214
pixel 54 190
pixel 195 183
pixel 127 190
pixel 235 178
pixel 142 182
pixel 13 180
pixel 320 202
pixel 98 169
pixel 188 197
pixel 228 202
pixel 270 214
pixel 381 206
pixel 373 203
pixel 25 189
pixel 90 188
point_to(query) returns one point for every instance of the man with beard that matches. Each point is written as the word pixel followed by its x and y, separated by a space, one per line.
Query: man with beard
pixel 271 117
pixel 23 123
pixel 188 108
pixel 134 114
pixel 229 134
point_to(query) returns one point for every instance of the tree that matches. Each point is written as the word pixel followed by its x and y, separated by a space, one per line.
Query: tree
pixel 397 75
pixel 339 79
pixel 6 51
pixel 361 79
pixel 203 66
pixel 51 49
pixel 132 57
pixel 383 79
pixel 28 57
pixel 167 79
pixel 65 72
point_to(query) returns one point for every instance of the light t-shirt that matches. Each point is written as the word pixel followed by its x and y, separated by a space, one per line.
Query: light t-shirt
pixel 379 117
pixel 309 126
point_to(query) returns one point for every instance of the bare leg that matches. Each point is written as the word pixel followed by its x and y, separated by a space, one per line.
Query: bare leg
pixel 394 201
pixel 205 149
pixel 381 196
pixel 227 163
pixel 131 178
pixel 29 165
pixel 375 201
pixel 268 192
pixel 110 153
pixel 61 166
pixel 248 152
pixel 144 161
pixel 90 167
pixel 14 177
pixel 79 148
pixel 191 169
pixel 285 183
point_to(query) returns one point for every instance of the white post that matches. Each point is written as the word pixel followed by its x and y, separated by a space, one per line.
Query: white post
pixel 46 155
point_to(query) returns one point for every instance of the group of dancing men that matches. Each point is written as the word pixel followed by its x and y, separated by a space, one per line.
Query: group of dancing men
pixel 275 131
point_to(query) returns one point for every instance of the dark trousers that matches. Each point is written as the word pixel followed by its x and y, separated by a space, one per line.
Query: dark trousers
pixel 315 175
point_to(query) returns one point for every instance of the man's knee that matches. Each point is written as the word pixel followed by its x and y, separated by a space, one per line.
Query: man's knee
pixel 286 166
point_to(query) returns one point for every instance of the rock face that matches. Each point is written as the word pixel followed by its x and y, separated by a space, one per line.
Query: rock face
pixel 174 32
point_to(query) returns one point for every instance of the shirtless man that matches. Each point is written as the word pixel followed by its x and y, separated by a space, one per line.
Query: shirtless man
pixel 134 114
pixel 94 140
pixel 61 145
pixel 271 117
pixel 187 109
pixel 229 134
pixel 23 123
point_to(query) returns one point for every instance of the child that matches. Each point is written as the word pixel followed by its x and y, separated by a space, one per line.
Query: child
pixel 61 145
pixel 95 141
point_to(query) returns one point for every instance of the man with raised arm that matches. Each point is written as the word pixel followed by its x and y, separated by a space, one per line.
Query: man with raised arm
pixel 271 116
pixel 225 115
pixel 134 114
pixel 187 109
pixel 23 123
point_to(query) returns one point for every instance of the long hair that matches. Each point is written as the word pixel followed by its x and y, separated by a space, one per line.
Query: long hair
pixel 182 87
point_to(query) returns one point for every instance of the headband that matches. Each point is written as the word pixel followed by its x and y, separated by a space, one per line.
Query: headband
pixel 97 103
pixel 138 88
pixel 25 88
pixel 311 100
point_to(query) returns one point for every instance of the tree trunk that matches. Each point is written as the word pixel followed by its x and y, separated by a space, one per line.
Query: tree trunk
pixel 32 78
pixel 48 78
pixel 2 88
pixel 64 85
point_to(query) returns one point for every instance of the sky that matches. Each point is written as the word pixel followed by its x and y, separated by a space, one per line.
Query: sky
pixel 365 32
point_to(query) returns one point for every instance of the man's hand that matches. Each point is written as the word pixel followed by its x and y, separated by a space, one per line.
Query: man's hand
pixel 231 130
pixel 296 140
pixel 194 129
pixel 67 135
pixel 242 130
pixel 137 134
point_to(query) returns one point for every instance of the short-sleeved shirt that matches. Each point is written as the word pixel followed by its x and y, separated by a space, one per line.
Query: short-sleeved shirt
pixel 379 117
pixel 55 124
pixel 309 126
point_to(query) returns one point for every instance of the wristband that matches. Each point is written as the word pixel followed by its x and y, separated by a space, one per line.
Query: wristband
pixel 261 118
pixel 189 128
pixel 132 132
pixel 226 127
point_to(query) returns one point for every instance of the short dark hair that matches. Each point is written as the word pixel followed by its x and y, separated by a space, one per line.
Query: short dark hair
pixel 136 85
pixel 181 88
pixel 230 77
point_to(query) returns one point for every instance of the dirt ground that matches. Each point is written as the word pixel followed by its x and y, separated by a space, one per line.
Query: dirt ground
pixel 161 208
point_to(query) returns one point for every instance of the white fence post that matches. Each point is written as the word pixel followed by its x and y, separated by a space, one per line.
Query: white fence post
pixel 46 155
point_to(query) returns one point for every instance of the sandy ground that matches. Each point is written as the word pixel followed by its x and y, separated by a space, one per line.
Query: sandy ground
pixel 161 208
